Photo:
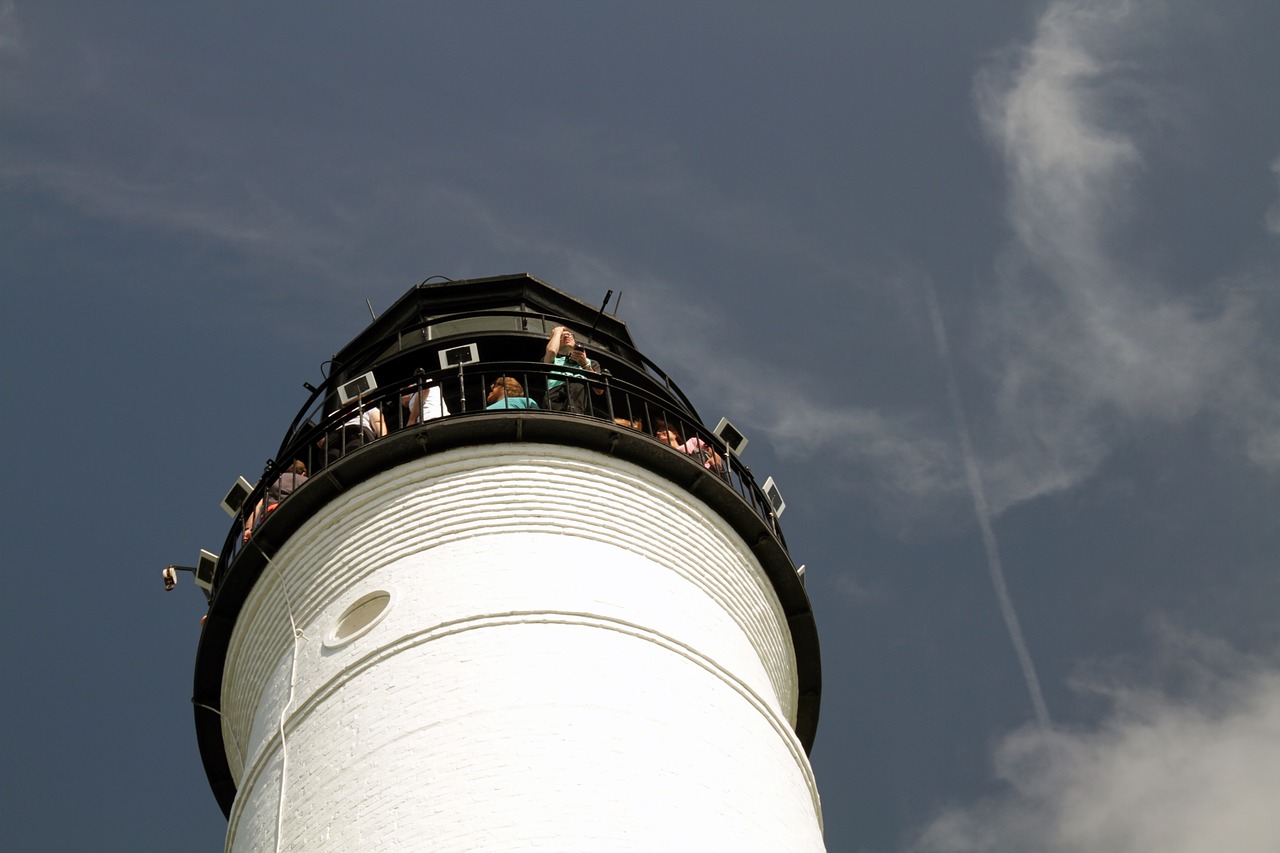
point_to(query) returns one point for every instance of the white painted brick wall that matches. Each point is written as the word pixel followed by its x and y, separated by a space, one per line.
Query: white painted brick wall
pixel 577 656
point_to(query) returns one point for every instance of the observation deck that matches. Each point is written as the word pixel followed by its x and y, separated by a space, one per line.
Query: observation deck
pixel 454 339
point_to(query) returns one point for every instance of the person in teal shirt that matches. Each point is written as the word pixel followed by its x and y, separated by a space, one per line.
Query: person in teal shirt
pixel 565 394
pixel 507 393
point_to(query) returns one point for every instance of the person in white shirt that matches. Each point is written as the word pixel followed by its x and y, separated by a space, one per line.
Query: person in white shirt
pixel 432 405
pixel 364 426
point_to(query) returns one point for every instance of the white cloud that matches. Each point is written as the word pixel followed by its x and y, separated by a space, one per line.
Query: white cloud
pixel 1189 768
pixel 1045 115
pixel 1091 344
pixel 1085 343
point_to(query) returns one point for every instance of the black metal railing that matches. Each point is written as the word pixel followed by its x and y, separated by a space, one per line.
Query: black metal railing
pixel 435 329
pixel 321 438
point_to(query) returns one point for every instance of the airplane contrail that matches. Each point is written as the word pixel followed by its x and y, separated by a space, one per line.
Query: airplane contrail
pixel 983 511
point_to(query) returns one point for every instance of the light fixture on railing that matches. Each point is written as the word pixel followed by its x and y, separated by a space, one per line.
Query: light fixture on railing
pixel 206 565
pixel 356 388
pixel 774 497
pixel 458 356
pixel 731 436
pixel 204 569
pixel 236 496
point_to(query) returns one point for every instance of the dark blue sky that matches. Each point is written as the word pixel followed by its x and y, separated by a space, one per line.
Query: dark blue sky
pixel 194 208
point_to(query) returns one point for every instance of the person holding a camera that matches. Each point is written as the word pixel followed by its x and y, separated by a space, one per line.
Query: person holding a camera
pixel 566 390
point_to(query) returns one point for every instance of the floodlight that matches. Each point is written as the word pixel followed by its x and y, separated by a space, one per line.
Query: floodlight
pixel 771 493
pixel 458 356
pixel 356 388
pixel 240 491
pixel 732 436
pixel 205 567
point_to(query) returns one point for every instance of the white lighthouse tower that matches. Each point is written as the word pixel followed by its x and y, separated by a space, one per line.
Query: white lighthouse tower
pixel 507 628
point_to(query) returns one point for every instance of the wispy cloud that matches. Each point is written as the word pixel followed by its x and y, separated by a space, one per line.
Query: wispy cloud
pixel 806 417
pixel 1091 344
pixel 1186 762
pixel 1085 342
pixel 266 191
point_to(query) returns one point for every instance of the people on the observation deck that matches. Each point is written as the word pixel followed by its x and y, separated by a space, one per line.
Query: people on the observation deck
pixel 365 425
pixel 669 433
pixel 283 486
pixel 431 406
pixel 566 392
pixel 507 393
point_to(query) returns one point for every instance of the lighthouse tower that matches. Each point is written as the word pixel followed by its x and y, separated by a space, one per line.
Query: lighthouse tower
pixel 476 628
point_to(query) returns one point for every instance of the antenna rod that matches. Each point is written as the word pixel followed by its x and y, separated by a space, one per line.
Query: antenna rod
pixel 370 307
pixel 607 296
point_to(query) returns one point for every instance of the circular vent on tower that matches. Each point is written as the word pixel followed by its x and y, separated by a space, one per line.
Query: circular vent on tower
pixel 358 619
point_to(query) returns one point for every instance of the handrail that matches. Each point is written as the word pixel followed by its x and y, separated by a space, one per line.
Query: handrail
pixel 364 359
pixel 326 437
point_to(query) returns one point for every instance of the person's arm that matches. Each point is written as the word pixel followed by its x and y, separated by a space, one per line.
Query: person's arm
pixel 553 345
pixel 250 519
pixel 411 400
pixel 376 422
pixel 713 461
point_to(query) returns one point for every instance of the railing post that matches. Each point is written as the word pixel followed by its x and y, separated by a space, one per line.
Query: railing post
pixel 419 401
